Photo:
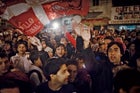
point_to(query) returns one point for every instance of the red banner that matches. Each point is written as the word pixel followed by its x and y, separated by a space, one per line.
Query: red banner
pixel 62 8
pixel 31 16
pixel 27 22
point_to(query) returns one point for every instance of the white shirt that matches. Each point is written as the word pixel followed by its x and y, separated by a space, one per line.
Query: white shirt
pixel 21 62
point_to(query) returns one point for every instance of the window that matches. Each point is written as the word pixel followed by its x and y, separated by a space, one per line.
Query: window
pixel 95 2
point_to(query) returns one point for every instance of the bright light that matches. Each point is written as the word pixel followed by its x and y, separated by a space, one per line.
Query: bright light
pixel 55 25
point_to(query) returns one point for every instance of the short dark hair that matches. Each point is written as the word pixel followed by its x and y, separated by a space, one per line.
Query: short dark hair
pixel 126 79
pixel 22 42
pixel 60 44
pixel 52 66
pixel 34 55
pixel 79 56
pixel 72 62
pixel 118 44
pixel 9 42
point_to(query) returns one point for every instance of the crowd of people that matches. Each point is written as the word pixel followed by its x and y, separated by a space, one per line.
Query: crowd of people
pixel 84 60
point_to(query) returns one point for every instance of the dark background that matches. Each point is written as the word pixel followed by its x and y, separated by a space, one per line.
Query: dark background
pixel 125 2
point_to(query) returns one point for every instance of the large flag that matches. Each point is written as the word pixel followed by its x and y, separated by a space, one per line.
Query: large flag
pixel 65 7
pixel 32 15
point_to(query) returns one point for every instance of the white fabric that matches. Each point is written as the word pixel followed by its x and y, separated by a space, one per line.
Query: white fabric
pixel 15 10
pixel 40 14
pixel 21 62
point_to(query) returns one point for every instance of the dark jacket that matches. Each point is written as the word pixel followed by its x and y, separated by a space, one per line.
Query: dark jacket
pixel 43 88
pixel 100 72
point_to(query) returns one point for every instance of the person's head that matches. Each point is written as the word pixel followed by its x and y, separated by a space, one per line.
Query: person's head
pixel 118 39
pixel 102 47
pixel 73 69
pixel 127 81
pixel 127 41
pixel 7 46
pixel 44 43
pixel 131 46
pixel 115 51
pixel 50 53
pixel 107 40
pixel 63 40
pixel 4 63
pixel 80 58
pixel 56 71
pixel 94 40
pixel 60 50
pixel 35 58
pixel 108 32
pixel 8 86
pixel 21 47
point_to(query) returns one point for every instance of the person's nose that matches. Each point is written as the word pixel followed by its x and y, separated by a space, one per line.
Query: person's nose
pixel 3 65
pixel 112 52
pixel 68 73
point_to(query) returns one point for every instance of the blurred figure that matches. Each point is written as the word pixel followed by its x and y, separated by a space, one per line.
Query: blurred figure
pixel 21 59
pixel 94 44
pixel 38 46
pixel 79 77
pixel 16 76
pixel 36 74
pixel 57 74
pixel 127 81
pixel 45 45
pixel 102 30
pixel 115 51
pixel 73 70
pixel 4 63
pixel 60 51
pixel 69 48
pixel 8 48
pixel 107 40
pixel 8 86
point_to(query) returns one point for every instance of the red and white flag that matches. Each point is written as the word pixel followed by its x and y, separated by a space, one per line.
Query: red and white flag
pixel 64 7
pixel 27 22
pixel 32 15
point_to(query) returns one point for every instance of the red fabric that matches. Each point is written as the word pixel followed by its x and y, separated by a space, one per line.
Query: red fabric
pixel 27 22
pixel 60 8
pixel 17 75
pixel 30 24
pixel 71 39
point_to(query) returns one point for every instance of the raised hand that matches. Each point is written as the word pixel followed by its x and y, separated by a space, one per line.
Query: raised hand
pixel 35 41
pixel 82 30
pixel 85 32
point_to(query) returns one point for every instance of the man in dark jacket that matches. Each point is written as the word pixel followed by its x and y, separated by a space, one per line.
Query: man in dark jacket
pixel 57 73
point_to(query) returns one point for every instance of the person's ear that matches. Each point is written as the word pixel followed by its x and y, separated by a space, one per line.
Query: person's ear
pixel 122 91
pixel 52 76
